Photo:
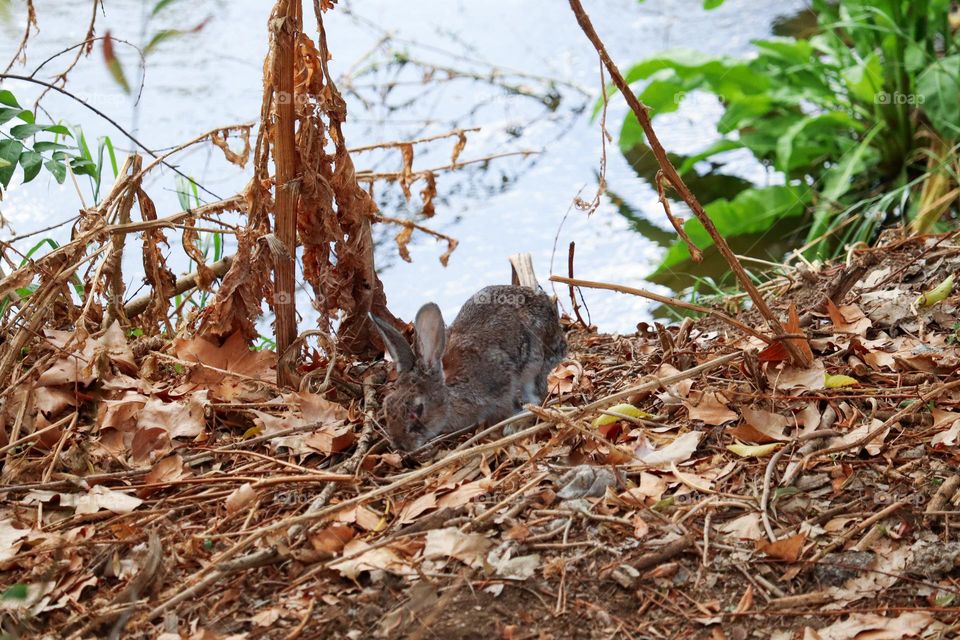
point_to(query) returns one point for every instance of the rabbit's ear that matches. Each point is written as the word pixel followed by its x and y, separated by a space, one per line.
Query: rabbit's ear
pixel 399 350
pixel 431 336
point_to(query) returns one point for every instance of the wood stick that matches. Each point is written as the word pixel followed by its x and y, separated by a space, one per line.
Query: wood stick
pixel 184 283
pixel 673 302
pixel 286 25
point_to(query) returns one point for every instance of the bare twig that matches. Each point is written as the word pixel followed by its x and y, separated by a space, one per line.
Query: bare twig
pixel 673 302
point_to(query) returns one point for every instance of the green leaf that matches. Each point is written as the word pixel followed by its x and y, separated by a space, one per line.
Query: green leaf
pixel 82 145
pixel 58 129
pixel 711 4
pixel 57 168
pixel 160 6
pixel 813 138
pixel 84 167
pixel 31 161
pixel 46 242
pixel 7 98
pixel 939 90
pixel 865 80
pixel 10 151
pixel 9 113
pixel 113 63
pixel 108 143
pixel 44 147
pixel 16 591
pixel 838 180
pixel 631 133
pixel 752 211
pixel 717 147
pixel 22 131
pixel 183 196
pixel 161 36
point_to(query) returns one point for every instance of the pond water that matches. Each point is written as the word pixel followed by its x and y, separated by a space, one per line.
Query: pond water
pixel 521 70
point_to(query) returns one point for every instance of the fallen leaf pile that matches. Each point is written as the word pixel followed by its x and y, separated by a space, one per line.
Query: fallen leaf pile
pixel 171 490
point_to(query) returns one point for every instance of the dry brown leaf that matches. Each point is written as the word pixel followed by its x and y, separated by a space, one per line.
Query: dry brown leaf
pixel 362 516
pixel 113 344
pixel 360 558
pixel 219 138
pixel 52 400
pixel 458 147
pixel 691 480
pixel 180 419
pixel 266 617
pixel 428 193
pixel 848 318
pixel 746 601
pixel 417 507
pixel 641 528
pixel 787 549
pixel 874 447
pixel 233 356
pixel 709 407
pixel 464 494
pixel 949 422
pixel 648 491
pixel 315 408
pixel 169 469
pixel 469 548
pixel 100 497
pixel 792 325
pixel 402 239
pixel 746 527
pixel 332 539
pixel 145 443
pixel 241 497
pixel 871 626
pixel 328 440
pixel 795 378
pixel 406 170
pixel 565 377
pixel 771 425
pixel 678 451
pixel 121 413
pixel 10 538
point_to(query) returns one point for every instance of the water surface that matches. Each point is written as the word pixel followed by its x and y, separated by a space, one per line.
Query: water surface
pixel 512 204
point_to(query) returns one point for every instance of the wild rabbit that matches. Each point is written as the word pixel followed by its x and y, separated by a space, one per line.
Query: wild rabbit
pixel 493 359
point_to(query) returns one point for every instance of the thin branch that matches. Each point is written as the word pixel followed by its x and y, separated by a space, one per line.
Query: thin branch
pixel 673 302
pixel 670 172
pixel 401 143
pixel 127 134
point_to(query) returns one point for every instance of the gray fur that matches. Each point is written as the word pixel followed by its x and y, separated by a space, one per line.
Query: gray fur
pixel 497 354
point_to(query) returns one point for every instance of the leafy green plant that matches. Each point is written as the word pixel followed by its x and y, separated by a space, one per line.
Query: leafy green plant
pixel 91 166
pixel 28 290
pixel 19 147
pixel 867 107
